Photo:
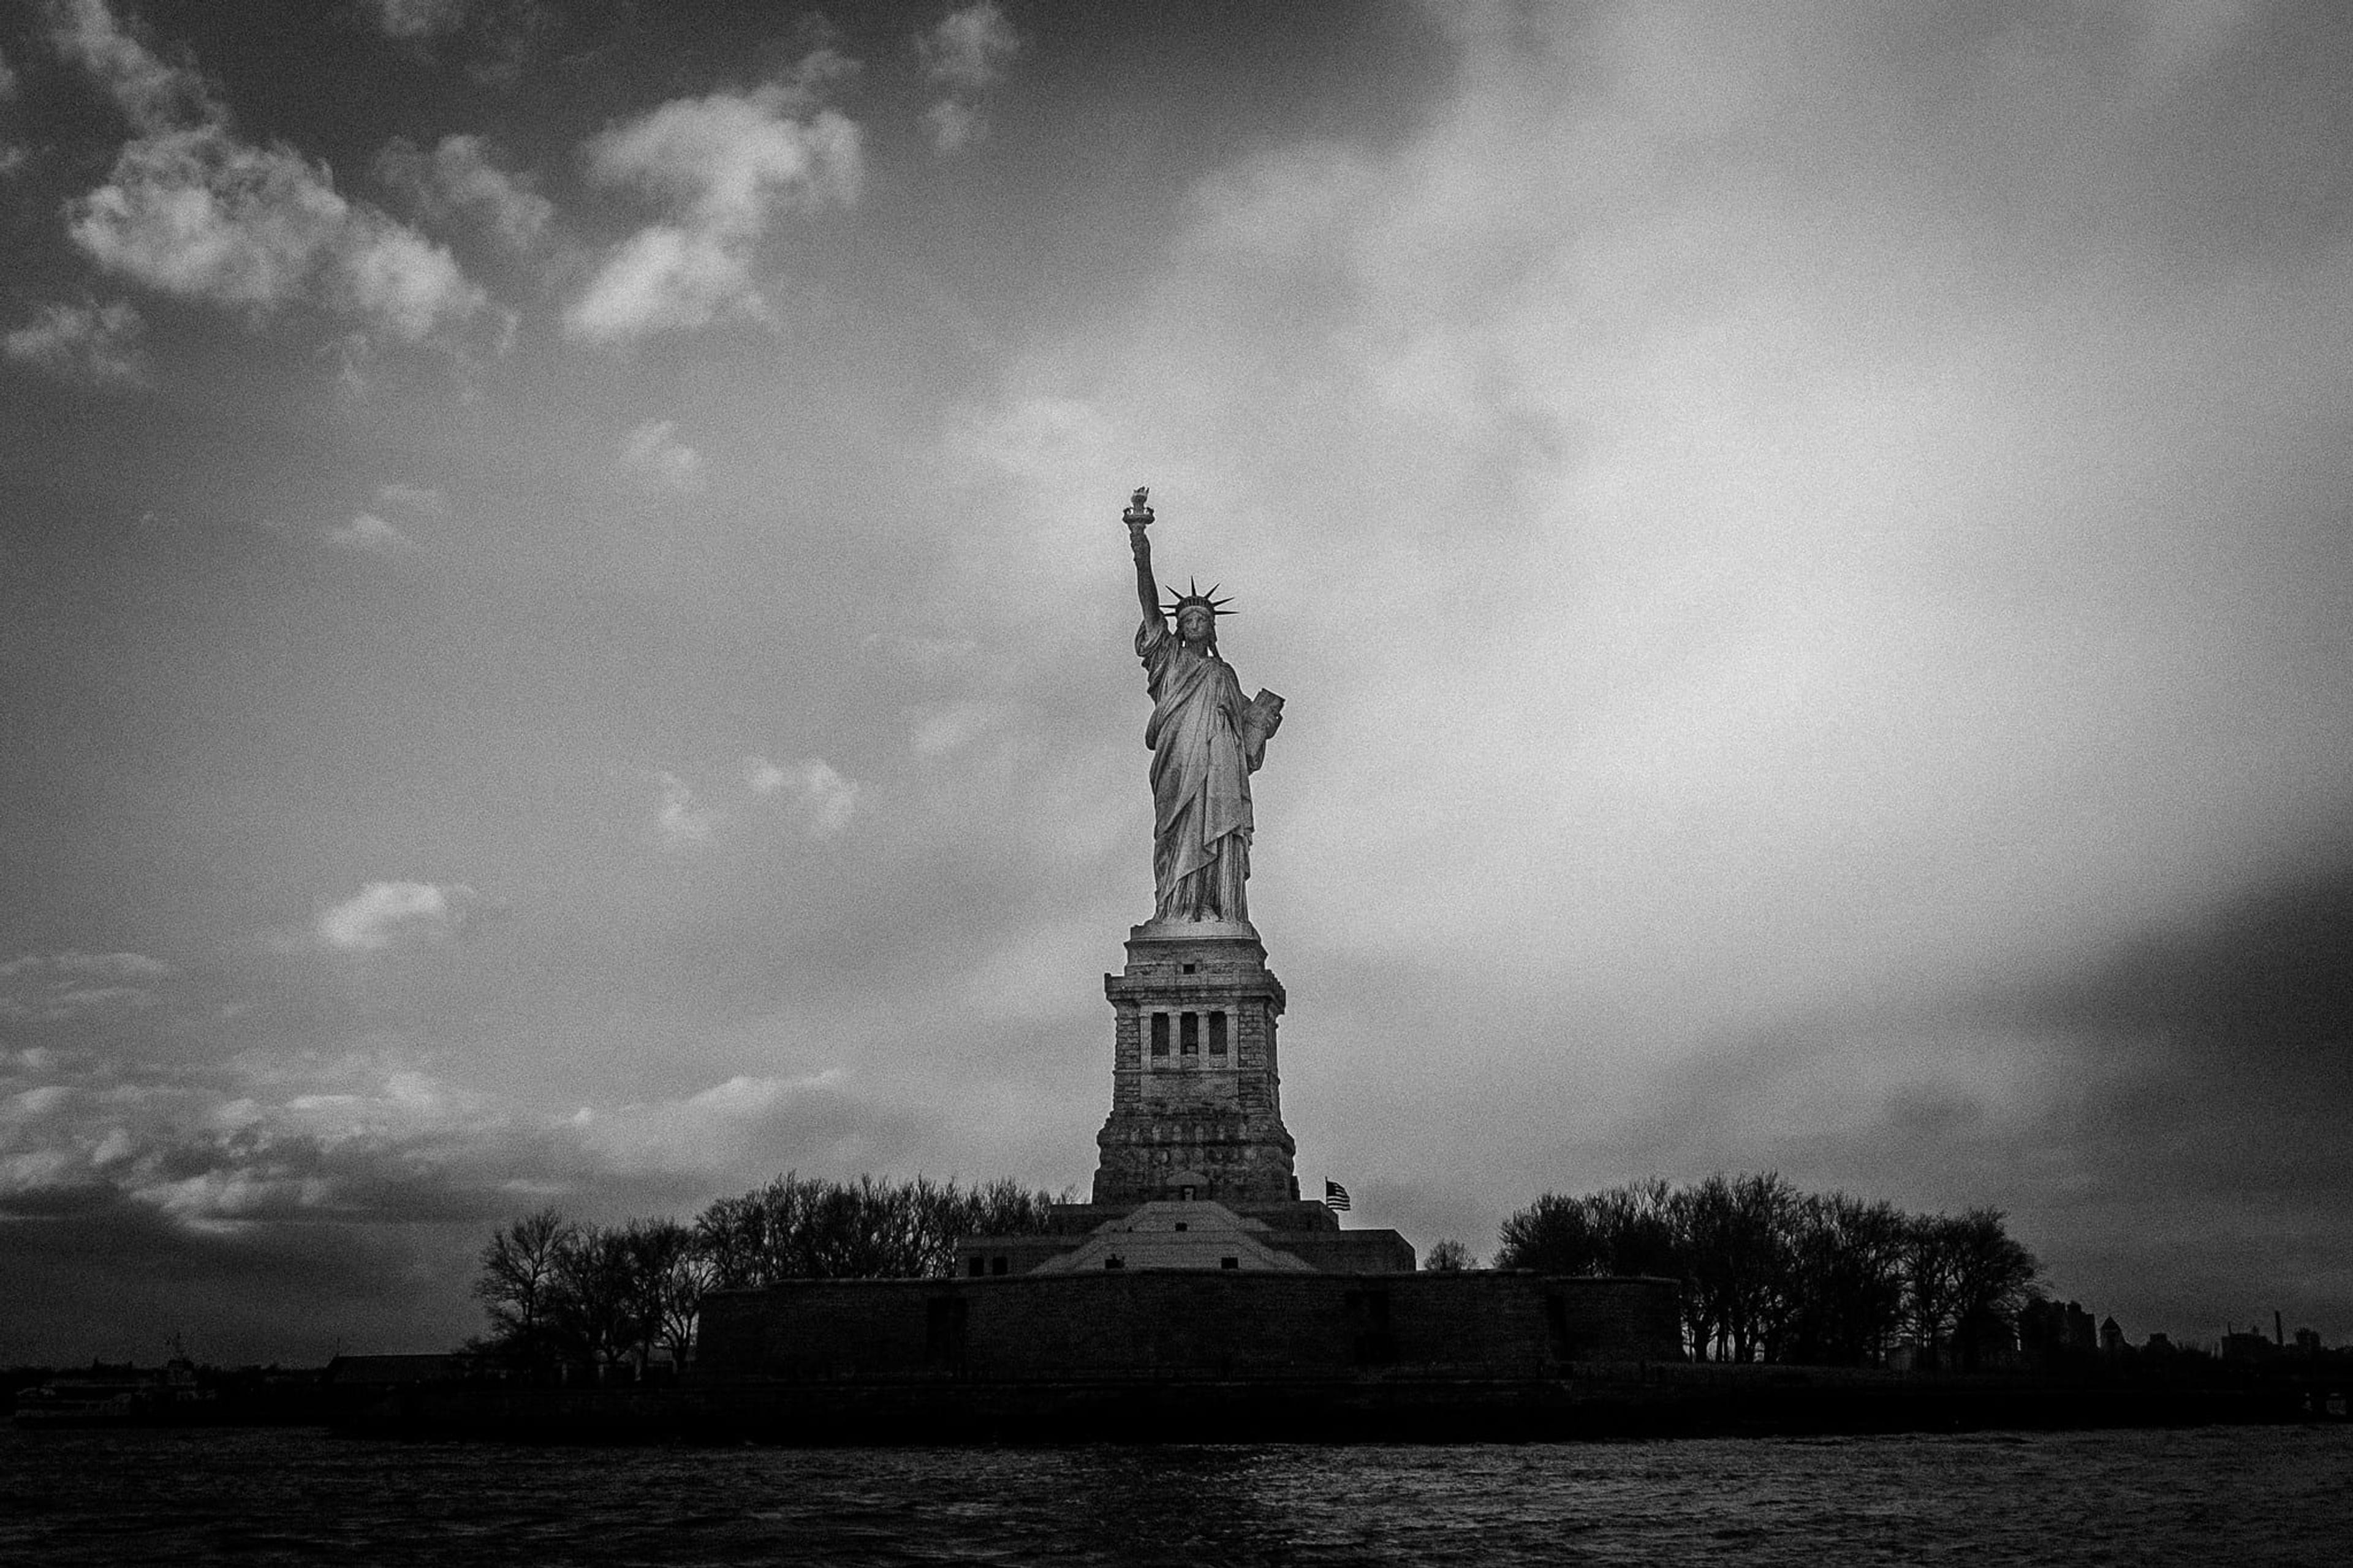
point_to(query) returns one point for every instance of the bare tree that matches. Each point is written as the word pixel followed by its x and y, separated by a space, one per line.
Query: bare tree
pixel 667 1276
pixel 518 1284
pixel 1932 1267
pixel 802 1227
pixel 1993 1278
pixel 1628 1229
pixel 1554 1234
pixel 1767 1273
pixel 1734 1232
pixel 748 1238
pixel 1639 1230
pixel 594 1296
pixel 1449 1257
pixel 1967 1280
pixel 597 1296
pixel 1846 1281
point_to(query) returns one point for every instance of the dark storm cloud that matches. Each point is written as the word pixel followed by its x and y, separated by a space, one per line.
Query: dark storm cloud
pixel 2168 1120
pixel 2263 983
pixel 2217 1054
pixel 104 1275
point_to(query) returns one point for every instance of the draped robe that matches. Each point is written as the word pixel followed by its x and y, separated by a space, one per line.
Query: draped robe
pixel 1204 748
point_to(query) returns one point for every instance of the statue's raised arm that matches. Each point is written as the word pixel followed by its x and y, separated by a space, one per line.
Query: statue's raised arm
pixel 1138 519
pixel 1205 742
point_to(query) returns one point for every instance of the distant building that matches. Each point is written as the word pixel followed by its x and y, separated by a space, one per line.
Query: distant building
pixel 2056 1334
pixel 111 1395
pixel 391 1371
pixel 2112 1339
pixel 2252 1345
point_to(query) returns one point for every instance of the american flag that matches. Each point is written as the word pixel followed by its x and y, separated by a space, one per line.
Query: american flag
pixel 1335 1196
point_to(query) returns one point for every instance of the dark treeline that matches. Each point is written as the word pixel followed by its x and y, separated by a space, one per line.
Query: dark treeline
pixel 1770 1273
pixel 1767 1273
pixel 562 1294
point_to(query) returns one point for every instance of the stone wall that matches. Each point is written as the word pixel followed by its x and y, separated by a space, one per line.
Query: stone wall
pixel 1363 1251
pixel 1208 1325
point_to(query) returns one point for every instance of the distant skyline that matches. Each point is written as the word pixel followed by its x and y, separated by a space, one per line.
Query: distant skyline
pixel 567 637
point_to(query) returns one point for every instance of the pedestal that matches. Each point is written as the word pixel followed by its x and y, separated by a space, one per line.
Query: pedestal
pixel 1195 1111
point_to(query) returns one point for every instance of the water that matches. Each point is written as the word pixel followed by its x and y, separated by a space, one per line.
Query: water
pixel 2232 1495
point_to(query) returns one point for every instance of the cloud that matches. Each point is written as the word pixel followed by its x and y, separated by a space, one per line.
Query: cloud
pixel 195 212
pixel 724 168
pixel 397 279
pixel 383 914
pixel 353 354
pixel 810 792
pixel 459 178
pixel 496 39
pixel 110 966
pixel 7 79
pixel 967 54
pixel 1037 436
pixel 370 533
pixel 53 988
pixel 683 819
pixel 152 93
pixel 954 126
pixel 421 500
pixel 654 454
pixel 198 214
pixel 729 162
pixel 371 1136
pixel 664 278
pixel 825 800
pixel 970 49
pixel 360 1183
pixel 949 727
pixel 731 1124
pixel 217 1145
pixel 417 18
pixel 99 345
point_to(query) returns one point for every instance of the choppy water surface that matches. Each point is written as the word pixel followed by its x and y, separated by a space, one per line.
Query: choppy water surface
pixel 2242 1495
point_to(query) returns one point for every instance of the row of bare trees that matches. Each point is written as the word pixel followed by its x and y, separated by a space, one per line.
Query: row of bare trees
pixel 1770 1273
pixel 560 1293
pixel 1767 1273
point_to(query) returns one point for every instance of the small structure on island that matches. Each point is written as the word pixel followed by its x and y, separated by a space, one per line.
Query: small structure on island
pixel 1194 1260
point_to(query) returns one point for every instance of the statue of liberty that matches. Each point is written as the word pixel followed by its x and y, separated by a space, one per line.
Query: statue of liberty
pixel 1206 743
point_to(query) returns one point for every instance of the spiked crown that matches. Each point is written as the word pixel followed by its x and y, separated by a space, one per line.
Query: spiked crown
pixel 1193 595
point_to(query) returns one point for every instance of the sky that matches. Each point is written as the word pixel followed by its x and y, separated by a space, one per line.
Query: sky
pixel 566 635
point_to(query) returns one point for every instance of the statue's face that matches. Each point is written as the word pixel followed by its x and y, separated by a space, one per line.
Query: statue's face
pixel 1193 624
